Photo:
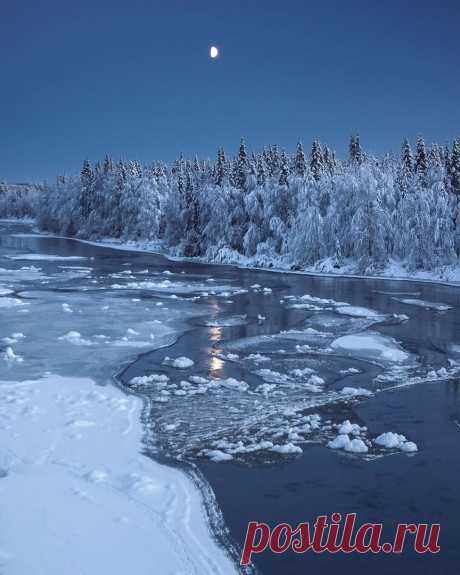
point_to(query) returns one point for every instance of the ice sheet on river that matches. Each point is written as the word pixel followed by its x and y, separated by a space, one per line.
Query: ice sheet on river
pixel 46 257
pixel 179 287
pixel 435 306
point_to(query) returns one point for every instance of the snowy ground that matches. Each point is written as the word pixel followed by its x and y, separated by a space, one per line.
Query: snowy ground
pixel 77 497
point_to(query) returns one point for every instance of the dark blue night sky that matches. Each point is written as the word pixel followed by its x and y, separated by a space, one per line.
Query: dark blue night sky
pixel 134 78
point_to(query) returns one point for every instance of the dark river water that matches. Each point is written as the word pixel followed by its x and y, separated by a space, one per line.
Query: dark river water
pixel 254 327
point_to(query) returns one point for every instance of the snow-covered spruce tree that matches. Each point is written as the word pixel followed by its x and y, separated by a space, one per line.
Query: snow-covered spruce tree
pixel 421 160
pixel 436 174
pixel 241 166
pixel 406 169
pixel 221 168
pixel 284 170
pixel 316 160
pixel 108 164
pixel 355 150
pixel 330 162
pixel 454 168
pixel 261 171
pixel 407 159
pixel 300 164
pixel 453 183
pixel 86 196
pixel 273 160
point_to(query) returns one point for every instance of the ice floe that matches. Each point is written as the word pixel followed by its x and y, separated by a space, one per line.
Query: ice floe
pixel 424 304
pixel 45 257
pixel 179 362
pixel 356 311
pixel 371 345
pixel 390 440
pixel 355 392
pixel 76 338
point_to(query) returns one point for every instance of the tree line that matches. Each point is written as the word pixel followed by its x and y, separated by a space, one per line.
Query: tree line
pixel 269 208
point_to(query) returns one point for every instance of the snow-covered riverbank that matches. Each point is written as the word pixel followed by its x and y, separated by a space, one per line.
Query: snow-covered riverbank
pixel 78 497
pixel 395 270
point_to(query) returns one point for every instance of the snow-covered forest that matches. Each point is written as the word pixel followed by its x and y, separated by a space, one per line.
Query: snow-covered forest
pixel 269 208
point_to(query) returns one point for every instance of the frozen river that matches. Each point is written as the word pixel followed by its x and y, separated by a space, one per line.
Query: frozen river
pixel 249 377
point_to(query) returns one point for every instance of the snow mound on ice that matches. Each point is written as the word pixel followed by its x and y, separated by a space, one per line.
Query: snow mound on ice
pixel 342 441
pixel 286 449
pixel 179 362
pixel 75 338
pixel 390 440
pixel 372 346
pixel 217 456
pixel 152 378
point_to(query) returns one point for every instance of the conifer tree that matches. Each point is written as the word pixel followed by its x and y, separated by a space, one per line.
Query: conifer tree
pixel 284 171
pixel 87 182
pixel 356 152
pixel 261 174
pixel 329 160
pixel 421 158
pixel 221 167
pixel 435 159
pixel 181 184
pixel 241 166
pixel 300 164
pixel 407 159
pixel 316 160
pixel 86 173
pixel 108 164
pixel 454 171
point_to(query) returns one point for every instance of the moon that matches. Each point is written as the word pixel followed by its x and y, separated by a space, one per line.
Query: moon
pixel 213 52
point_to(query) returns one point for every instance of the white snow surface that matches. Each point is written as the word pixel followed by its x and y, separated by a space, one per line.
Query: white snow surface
pixel 356 311
pixel 179 362
pixel 372 345
pixel 46 257
pixel 77 496
pixel 391 440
